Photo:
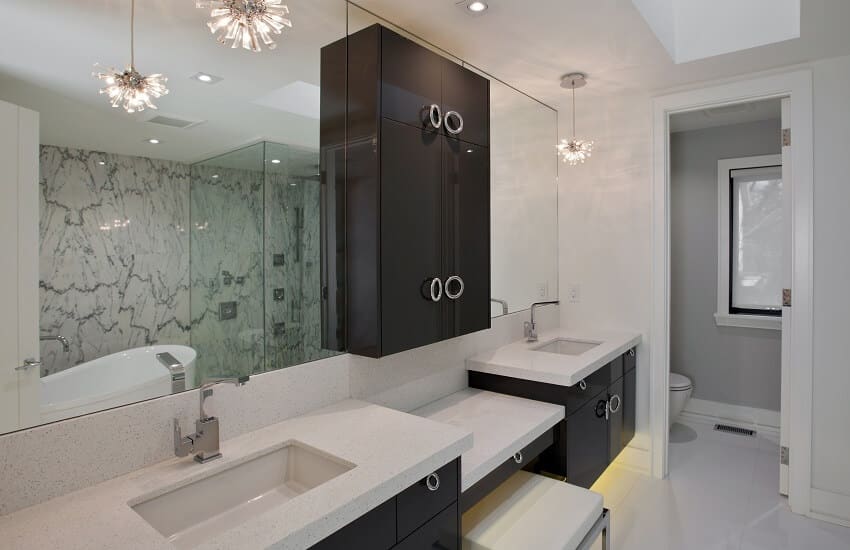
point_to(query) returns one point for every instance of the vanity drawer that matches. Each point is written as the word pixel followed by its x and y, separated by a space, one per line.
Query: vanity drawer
pixel 506 469
pixel 374 530
pixel 571 397
pixel 441 533
pixel 423 500
pixel 629 360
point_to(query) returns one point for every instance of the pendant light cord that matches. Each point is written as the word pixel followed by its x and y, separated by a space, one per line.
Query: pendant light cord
pixel 132 36
pixel 574 110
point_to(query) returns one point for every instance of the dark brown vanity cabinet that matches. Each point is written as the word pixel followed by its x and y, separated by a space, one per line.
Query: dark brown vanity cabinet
pixel 600 416
pixel 417 192
pixel 425 515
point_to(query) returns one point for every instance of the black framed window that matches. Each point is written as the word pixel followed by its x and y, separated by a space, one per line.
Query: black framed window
pixel 755 241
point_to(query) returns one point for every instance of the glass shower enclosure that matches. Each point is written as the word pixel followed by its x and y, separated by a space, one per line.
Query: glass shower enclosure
pixel 254 255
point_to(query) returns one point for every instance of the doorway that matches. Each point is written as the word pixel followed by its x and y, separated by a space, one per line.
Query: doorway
pixel 796 347
pixel 728 266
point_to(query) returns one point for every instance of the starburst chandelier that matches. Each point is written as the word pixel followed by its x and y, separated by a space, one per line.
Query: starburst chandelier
pixel 246 22
pixel 129 88
pixel 574 151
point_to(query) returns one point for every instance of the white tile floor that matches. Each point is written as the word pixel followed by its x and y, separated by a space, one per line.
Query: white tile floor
pixel 722 493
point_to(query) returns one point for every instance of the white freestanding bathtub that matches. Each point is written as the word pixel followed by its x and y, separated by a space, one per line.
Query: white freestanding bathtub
pixel 110 381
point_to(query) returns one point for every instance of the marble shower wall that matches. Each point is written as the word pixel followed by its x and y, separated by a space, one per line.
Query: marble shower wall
pixel 293 279
pixel 227 236
pixel 113 255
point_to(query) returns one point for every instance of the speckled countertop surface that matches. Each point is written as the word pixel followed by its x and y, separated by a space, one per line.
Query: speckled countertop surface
pixel 521 359
pixel 500 424
pixel 391 450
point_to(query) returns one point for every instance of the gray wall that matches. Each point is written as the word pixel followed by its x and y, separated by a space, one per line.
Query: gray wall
pixel 727 364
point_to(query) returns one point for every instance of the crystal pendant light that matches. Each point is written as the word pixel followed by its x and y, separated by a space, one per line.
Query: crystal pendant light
pixel 575 150
pixel 130 89
pixel 246 23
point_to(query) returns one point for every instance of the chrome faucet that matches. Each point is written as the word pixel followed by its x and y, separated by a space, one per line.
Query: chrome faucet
pixel 66 345
pixel 503 303
pixel 530 327
pixel 205 441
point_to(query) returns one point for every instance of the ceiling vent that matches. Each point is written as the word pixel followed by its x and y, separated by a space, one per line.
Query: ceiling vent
pixel 173 122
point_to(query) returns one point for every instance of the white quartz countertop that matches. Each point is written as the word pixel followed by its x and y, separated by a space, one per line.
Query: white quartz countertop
pixel 520 360
pixel 500 424
pixel 391 450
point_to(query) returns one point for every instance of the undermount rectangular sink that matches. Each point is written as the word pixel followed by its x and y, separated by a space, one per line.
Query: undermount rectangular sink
pixel 566 346
pixel 197 512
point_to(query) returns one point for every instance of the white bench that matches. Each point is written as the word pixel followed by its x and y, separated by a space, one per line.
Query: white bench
pixel 533 511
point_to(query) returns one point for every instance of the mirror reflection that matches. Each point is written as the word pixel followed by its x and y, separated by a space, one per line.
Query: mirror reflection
pixel 187 242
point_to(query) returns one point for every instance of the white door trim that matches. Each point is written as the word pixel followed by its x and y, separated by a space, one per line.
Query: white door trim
pixel 798 86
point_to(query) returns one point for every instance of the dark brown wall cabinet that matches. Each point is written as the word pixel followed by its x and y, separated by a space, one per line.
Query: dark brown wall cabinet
pixel 417 191
pixel 600 417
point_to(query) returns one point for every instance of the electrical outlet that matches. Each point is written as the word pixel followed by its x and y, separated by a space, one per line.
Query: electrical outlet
pixel 574 294
pixel 542 290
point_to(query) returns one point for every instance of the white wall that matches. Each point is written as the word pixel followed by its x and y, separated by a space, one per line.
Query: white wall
pixel 604 226
pixel 735 365
pixel 831 437
pixel 605 244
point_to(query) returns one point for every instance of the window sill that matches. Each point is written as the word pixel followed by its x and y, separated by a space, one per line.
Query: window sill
pixel 748 321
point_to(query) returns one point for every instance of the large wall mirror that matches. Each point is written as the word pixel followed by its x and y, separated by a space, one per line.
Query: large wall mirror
pixel 185 243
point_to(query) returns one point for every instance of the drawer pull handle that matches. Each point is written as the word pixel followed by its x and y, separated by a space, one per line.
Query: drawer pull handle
pixel 611 403
pixel 447 120
pixel 632 352
pixel 518 457
pixel 432 482
pixel 582 384
pixel 461 286
pixel 435 116
pixel 436 289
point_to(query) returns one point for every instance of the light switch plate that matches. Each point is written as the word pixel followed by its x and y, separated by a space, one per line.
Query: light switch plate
pixel 542 291
pixel 574 294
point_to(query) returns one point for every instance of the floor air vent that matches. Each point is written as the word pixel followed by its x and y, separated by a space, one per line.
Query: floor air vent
pixel 734 430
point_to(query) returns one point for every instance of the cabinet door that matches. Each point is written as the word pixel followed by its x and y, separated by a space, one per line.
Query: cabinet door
pixel 466 180
pixel 587 442
pixel 468 94
pixel 411 236
pixel 411 80
pixel 629 396
pixel 615 419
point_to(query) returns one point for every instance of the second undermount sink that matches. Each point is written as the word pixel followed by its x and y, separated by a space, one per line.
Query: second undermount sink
pixel 197 512
pixel 567 346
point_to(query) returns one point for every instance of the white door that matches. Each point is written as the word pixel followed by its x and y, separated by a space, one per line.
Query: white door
pixel 788 261
pixel 19 352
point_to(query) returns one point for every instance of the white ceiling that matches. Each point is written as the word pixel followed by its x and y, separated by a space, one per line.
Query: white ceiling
pixel 53 76
pixel 531 44
pixel 728 115
pixel 527 44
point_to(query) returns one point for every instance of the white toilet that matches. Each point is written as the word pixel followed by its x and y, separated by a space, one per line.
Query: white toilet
pixel 680 391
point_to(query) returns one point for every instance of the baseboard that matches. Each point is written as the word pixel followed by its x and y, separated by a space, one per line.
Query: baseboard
pixel 765 422
pixel 831 507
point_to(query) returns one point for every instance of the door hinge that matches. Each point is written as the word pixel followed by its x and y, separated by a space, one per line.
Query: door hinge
pixel 786 137
pixel 786 297
pixel 784 455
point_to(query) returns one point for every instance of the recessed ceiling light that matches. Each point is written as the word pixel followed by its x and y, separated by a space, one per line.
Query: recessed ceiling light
pixel 206 78
pixel 215 176
pixel 153 141
pixel 102 162
pixel 469 150
pixel 275 161
pixel 476 7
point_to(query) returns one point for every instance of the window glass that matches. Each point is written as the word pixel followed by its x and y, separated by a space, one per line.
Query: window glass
pixel 756 241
